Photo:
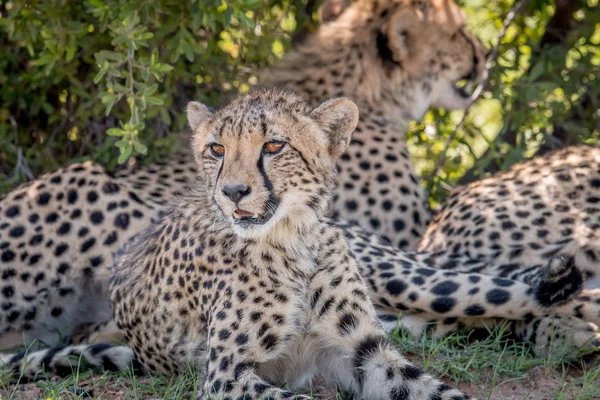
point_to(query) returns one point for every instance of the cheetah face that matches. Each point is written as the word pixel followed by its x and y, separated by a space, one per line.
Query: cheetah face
pixel 424 52
pixel 268 158
pixel 428 40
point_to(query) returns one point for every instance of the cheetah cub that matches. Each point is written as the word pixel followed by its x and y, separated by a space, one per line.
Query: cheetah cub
pixel 245 280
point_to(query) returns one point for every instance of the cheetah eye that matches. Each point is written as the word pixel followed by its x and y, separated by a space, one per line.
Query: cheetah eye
pixel 273 147
pixel 217 150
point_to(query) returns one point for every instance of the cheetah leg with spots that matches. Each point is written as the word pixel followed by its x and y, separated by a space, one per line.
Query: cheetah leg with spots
pixel 398 283
pixel 558 269
pixel 354 351
pixel 238 361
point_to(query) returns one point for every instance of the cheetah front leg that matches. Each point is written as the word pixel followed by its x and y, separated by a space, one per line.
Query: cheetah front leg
pixel 243 341
pixel 354 352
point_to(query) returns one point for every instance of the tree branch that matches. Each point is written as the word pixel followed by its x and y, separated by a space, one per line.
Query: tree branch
pixel 555 33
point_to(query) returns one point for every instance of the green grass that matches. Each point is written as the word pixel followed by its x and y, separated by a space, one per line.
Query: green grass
pixel 484 366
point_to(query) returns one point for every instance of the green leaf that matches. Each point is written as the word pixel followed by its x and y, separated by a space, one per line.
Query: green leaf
pixel 125 153
pixel 140 147
pixel 47 59
pixel 71 49
pixel 251 4
pixel 157 101
pixel 115 132
pixel 163 67
pixel 537 70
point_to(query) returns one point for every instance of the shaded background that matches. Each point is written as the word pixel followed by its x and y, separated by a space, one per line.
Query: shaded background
pixel 108 80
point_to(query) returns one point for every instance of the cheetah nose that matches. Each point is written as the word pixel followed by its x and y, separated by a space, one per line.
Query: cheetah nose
pixel 235 192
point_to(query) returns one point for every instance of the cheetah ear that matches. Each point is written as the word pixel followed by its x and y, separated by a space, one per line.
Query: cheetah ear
pixel 399 33
pixel 331 9
pixel 338 118
pixel 197 113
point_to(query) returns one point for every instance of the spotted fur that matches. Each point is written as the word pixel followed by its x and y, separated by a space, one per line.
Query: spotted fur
pixel 59 232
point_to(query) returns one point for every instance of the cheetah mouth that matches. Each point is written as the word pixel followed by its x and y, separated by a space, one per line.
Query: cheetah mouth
pixel 464 87
pixel 242 217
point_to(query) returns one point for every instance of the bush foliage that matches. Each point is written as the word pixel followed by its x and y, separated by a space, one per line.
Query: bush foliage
pixel 108 80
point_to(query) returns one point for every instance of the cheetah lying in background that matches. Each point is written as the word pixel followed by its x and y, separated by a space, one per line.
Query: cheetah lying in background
pixel 58 233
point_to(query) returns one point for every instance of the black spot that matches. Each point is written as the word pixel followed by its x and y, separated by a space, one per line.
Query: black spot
pixel 12 212
pixel 95 261
pixel 442 305
pixel 56 311
pixel 85 246
pixel 269 341
pixel 411 372
pixel 241 339
pixel 399 225
pixel 63 267
pixel 445 288
pixel 96 217
pixel 51 218
pixel 507 225
pixel 365 350
pixel 425 271
pixel 43 198
pixel 122 221
pixel 348 323
pixel 60 249
pixel 224 334
pixel 92 196
pixel 503 282
pixel 72 196
pixel 395 287
pixel 8 291
pixel 385 266
pixel 474 310
pixel 110 187
pixel 260 388
pixel 64 228
pixel 351 205
pixel 16 232
pixel 498 296
pixel 401 393
pixel 110 239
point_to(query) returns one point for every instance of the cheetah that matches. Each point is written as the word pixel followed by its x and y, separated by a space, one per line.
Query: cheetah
pixel 516 220
pixel 245 280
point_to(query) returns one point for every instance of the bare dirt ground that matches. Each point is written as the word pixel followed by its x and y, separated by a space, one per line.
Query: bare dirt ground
pixel 538 383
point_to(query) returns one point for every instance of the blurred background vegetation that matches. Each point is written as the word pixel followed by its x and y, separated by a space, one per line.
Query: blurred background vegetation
pixel 108 80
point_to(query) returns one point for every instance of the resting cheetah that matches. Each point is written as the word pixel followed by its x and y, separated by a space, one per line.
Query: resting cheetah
pixel 245 281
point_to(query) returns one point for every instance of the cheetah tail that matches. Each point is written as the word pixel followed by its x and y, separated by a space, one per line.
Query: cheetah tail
pixel 66 360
